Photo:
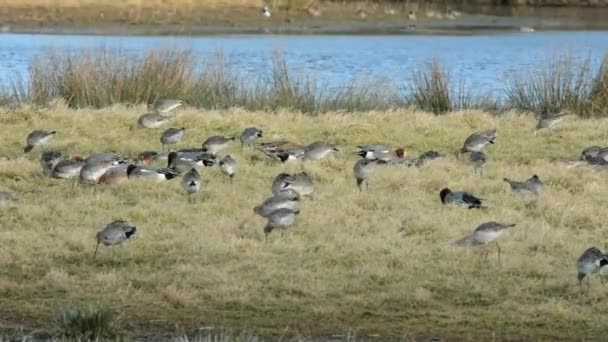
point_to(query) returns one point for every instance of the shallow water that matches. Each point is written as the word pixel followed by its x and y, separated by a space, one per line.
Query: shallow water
pixel 482 62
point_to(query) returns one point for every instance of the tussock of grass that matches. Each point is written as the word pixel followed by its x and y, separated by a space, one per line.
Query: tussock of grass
pixel 377 261
pixel 85 323
pixel 561 85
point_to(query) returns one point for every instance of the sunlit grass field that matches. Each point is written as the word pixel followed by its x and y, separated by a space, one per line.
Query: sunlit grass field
pixel 373 262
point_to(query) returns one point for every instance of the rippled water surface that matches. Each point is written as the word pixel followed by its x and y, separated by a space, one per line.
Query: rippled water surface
pixel 481 61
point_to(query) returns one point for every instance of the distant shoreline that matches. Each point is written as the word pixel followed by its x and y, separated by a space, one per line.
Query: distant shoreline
pixel 467 26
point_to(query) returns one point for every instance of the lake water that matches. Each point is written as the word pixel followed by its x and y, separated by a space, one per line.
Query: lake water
pixel 481 61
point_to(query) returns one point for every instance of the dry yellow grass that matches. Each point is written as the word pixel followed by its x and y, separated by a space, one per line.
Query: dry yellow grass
pixel 374 262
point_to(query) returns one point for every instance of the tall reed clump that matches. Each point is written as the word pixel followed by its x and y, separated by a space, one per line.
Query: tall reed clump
pixel 561 85
pixel 86 323
pixel 598 98
pixel 431 90
pixel 102 77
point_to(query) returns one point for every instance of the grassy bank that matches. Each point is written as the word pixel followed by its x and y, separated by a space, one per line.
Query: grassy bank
pixel 376 262
pixel 102 78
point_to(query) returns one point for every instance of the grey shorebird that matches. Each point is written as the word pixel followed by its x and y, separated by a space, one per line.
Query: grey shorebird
pixel 478 159
pixel 68 168
pixel 484 233
pixel 301 183
pixel 288 200
pixel 114 233
pixel 478 141
pixel 152 120
pixel 191 183
pixel 319 150
pixel 229 166
pixel 362 170
pixel 171 136
pixel 250 135
pixel 150 173
pixel 590 262
pixel 460 199
pixel 549 121
pixel 37 138
pixel 217 143
pixel 280 219
pixel 164 106
pixel 48 160
pixel 184 160
pixel 532 185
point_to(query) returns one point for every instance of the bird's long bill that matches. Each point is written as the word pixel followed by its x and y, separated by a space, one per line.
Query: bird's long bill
pixel 96 247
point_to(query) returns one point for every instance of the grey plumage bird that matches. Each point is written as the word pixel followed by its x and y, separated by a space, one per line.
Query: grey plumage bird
pixel 48 160
pixel 69 168
pixel 250 135
pixel 478 141
pixel 152 120
pixel 276 202
pixel 590 262
pixel 489 232
pixel 363 169
pixel 301 183
pixel 216 143
pixel 97 164
pixel 549 121
pixel 319 150
pixel 171 136
pixel 531 186
pixel 427 156
pixel 278 183
pixel 280 219
pixel 191 183
pixel 184 160
pixel 37 138
pixel 164 106
pixel 478 159
pixel 380 153
pixel 229 166
pixel 114 233
pixel 150 173
pixel 460 199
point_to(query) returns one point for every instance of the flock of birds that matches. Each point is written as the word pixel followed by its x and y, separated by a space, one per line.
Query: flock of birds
pixel 281 209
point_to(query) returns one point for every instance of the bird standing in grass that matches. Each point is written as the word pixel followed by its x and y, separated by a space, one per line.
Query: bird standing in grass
pixel 191 183
pixel 37 138
pixel 216 143
pixel 114 233
pixel 250 135
pixel 228 166
pixel 478 159
pixel 48 160
pixel 531 186
pixel 280 219
pixel 171 136
pixel 478 141
pixel 318 150
pixel 489 232
pixel 549 121
pixel 363 169
pixel 266 11
pixel 589 263
pixel 289 200
pixel 301 183
pixel 460 198
pixel 152 120
pixel 164 106
pixel 150 173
